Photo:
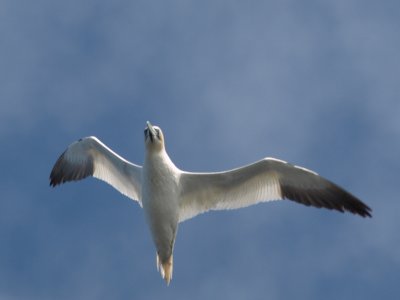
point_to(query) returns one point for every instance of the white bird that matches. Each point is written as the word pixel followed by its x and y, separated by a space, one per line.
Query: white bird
pixel 170 196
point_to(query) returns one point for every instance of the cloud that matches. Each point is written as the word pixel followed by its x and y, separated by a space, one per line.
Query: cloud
pixel 315 84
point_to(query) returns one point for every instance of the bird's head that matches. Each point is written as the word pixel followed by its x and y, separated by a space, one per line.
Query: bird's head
pixel 153 137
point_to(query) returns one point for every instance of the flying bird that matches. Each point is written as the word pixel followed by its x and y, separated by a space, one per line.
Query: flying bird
pixel 170 196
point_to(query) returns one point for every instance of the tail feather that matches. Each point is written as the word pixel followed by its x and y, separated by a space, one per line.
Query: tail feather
pixel 165 268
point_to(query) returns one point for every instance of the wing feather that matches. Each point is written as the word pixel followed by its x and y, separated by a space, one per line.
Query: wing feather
pixel 265 180
pixel 90 157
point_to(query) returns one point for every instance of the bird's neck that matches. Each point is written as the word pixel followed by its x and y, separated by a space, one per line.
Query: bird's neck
pixel 158 159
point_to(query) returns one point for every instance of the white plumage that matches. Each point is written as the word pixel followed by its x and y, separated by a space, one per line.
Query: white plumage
pixel 170 196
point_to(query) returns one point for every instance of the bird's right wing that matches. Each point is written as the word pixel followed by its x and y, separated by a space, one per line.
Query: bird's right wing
pixel 265 180
pixel 90 157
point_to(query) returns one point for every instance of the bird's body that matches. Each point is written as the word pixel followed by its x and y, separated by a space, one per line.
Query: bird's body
pixel 170 196
pixel 160 194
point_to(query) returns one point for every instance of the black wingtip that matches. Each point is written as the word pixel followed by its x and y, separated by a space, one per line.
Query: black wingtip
pixel 65 170
pixel 55 179
pixel 333 197
pixel 364 211
pixel 351 203
pixel 53 182
pixel 56 173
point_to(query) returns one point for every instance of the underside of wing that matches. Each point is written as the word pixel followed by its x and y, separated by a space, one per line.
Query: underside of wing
pixel 90 157
pixel 267 179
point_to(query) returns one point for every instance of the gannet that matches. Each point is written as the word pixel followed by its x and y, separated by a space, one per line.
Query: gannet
pixel 170 196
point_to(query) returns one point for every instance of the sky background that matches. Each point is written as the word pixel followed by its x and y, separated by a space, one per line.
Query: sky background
pixel 315 83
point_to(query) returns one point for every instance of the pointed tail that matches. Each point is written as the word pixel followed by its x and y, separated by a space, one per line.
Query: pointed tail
pixel 165 268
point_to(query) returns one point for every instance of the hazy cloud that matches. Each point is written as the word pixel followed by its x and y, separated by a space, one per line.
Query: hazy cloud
pixel 229 83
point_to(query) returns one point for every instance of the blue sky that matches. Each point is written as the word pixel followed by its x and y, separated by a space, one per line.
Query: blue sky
pixel 315 83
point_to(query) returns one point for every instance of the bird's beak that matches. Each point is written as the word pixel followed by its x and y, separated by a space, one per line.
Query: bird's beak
pixel 150 127
pixel 152 132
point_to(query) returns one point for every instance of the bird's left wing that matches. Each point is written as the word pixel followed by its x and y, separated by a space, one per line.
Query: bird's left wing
pixel 90 157
pixel 265 180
